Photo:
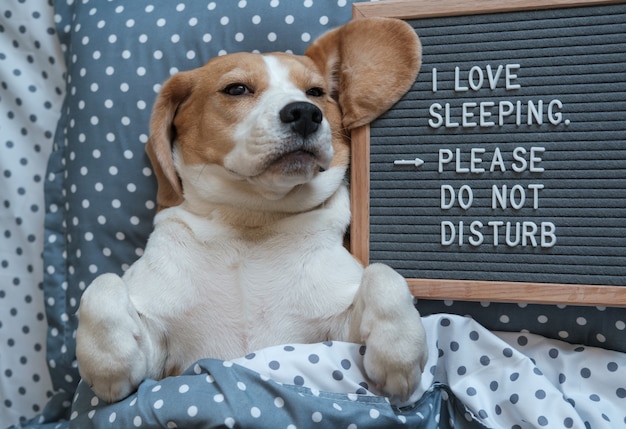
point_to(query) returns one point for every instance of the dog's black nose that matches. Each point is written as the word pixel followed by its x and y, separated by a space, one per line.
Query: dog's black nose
pixel 303 117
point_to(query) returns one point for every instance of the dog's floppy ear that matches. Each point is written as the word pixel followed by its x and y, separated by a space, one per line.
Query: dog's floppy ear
pixel 162 134
pixel 369 64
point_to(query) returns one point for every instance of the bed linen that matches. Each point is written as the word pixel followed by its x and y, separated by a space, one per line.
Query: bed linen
pixel 99 202
pixel 474 378
pixel 31 92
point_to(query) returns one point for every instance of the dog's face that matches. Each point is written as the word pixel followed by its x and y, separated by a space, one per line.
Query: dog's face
pixel 266 121
pixel 270 131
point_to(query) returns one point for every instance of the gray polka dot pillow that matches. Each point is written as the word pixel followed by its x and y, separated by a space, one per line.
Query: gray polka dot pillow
pixel 100 189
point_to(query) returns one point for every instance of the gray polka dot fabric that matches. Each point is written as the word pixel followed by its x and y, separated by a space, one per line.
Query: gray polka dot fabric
pixel 473 379
pixel 203 397
pixel 77 82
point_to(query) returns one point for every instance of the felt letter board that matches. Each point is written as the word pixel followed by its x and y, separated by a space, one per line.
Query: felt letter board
pixel 501 175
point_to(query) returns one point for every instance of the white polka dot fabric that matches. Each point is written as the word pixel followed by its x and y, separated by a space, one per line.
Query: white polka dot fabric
pixel 31 90
pixel 99 204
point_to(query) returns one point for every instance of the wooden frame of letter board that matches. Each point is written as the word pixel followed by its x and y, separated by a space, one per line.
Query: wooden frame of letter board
pixel 360 172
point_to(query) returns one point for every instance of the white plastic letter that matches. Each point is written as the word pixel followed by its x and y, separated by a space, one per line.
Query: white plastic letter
pixel 535 112
pixel 467 114
pixel 529 229
pixel 499 197
pixel 466 197
pixel 518 155
pixel 548 235
pixel 445 156
pixel 447 197
pixel 517 202
pixel 505 109
pixel 447 226
pixel 555 117
pixel 475 160
pixel 449 122
pixel 476 238
pixel 457 84
pixel 493 80
pixel 437 119
pixel 535 187
pixel 497 161
pixel 460 169
pixel 495 224
pixel 512 242
pixel 485 114
pixel 535 159
pixel 510 75
pixel 472 78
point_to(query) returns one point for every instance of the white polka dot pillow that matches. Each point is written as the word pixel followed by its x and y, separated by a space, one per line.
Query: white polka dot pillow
pixel 100 189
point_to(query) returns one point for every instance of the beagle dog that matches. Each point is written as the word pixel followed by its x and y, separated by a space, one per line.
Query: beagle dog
pixel 250 152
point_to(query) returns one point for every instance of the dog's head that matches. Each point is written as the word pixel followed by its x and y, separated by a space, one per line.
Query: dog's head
pixel 271 131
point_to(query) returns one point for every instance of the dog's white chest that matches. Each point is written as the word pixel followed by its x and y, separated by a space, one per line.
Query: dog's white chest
pixel 223 293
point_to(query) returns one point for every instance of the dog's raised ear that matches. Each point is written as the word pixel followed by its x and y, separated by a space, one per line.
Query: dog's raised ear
pixel 369 63
pixel 162 134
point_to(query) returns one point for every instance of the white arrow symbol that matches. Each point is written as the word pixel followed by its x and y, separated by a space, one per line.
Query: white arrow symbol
pixel 416 162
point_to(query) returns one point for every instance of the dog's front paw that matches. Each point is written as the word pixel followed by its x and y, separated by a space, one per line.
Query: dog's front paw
pixel 110 355
pixel 392 330
pixel 113 381
pixel 395 356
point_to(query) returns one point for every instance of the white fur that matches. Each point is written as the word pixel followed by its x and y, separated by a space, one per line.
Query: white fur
pixel 244 263
pixel 257 133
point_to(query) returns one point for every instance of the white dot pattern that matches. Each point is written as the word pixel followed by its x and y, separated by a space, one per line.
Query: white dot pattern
pixel 473 379
pixel 31 91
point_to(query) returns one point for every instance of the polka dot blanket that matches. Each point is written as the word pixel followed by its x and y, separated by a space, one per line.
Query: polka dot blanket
pixel 474 378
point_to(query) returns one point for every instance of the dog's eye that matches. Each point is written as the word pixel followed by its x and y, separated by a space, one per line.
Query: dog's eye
pixel 236 89
pixel 315 92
